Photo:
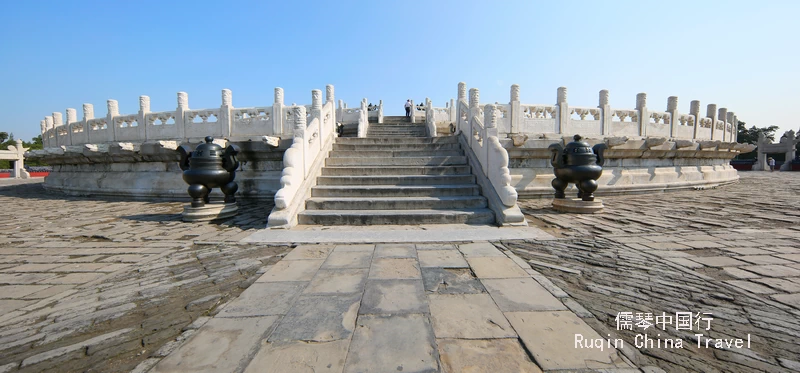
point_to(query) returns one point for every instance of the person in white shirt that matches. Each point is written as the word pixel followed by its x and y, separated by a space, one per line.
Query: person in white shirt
pixel 771 163
pixel 408 108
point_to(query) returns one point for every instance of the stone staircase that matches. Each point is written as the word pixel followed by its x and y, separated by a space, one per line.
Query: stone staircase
pixel 396 175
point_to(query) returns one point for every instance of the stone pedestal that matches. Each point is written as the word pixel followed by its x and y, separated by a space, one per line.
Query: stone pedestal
pixel 211 211
pixel 577 205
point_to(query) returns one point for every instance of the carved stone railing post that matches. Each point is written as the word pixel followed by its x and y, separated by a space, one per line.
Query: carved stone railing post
pixel 88 114
pixel 299 130
pixel 515 111
pixel 474 110
pixel 113 111
pixel 316 113
pixel 225 120
pixel 605 113
pixel 144 109
pixel 329 98
pixel 672 109
pixel 562 115
pixel 413 112
pixel 734 126
pixel 711 112
pixel 380 111
pixel 279 126
pixel 644 116
pixel 722 115
pixel 72 118
pixel 57 122
pixel 461 124
pixel 180 115
pixel 694 109
pixel 489 130
pixel 48 124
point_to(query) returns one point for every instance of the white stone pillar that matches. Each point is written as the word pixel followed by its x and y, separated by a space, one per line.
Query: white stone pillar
pixel 672 109
pixel 225 120
pixel 515 112
pixel 694 109
pixel 711 112
pixel 605 113
pixel 474 111
pixel 180 115
pixel 49 136
pixel 413 120
pixel 734 126
pixel 113 111
pixel 562 112
pixel 144 109
pixel 644 116
pixel 299 131
pixel 316 113
pixel 380 111
pixel 72 119
pixel 279 123
pixel 723 116
pixel 57 123
pixel 88 114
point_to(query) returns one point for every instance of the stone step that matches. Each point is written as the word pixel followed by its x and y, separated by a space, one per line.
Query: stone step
pixel 394 203
pixel 404 125
pixel 396 180
pixel 396 147
pixel 394 153
pixel 395 190
pixel 396 136
pixel 398 140
pixel 396 217
pixel 396 170
pixel 397 161
pixel 398 132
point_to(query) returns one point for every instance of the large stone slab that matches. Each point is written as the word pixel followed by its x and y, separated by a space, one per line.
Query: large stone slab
pixel 774 270
pixel 550 337
pixel 478 249
pixel 521 294
pixel 361 247
pixel 496 267
pixel 442 258
pixel 394 297
pixel 318 318
pixel 291 270
pixel 300 357
pixel 719 261
pixel 264 299
pixel 348 259
pixel 388 269
pixel 451 281
pixel 468 316
pixel 397 343
pixel 309 252
pixel 788 299
pixel 338 281
pixel 395 251
pixel 484 355
pixel 221 345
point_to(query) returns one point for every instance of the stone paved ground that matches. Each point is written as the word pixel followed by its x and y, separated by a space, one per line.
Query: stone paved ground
pixel 94 285
pixel 733 252
pixel 100 285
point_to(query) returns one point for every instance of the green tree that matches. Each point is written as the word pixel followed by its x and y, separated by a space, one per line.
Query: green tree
pixel 750 136
pixel 3 136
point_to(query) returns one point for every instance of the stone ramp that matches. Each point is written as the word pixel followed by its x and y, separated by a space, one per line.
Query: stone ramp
pixel 398 308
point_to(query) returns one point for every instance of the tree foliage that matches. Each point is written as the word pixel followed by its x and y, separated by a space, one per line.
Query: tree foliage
pixel 750 135
pixel 36 143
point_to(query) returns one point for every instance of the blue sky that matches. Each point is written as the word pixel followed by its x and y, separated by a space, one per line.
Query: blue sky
pixel 54 55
